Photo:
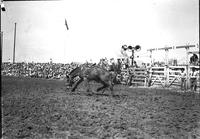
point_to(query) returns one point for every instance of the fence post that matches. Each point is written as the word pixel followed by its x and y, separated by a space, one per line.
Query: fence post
pixel 166 73
pixel 187 67
pixel 187 77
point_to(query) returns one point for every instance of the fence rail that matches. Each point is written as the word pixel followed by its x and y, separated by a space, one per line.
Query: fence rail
pixel 167 76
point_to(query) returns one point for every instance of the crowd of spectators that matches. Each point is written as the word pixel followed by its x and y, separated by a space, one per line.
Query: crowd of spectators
pixel 52 70
pixel 37 70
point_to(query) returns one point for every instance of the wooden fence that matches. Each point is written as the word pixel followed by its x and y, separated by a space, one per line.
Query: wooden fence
pixel 134 76
pixel 139 77
pixel 167 76
pixel 158 76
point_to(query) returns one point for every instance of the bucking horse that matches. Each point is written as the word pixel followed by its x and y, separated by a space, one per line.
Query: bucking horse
pixel 91 73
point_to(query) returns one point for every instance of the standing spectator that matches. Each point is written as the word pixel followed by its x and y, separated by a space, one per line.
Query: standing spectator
pixel 123 63
pixel 51 61
pixel 183 79
pixel 149 76
pixel 112 65
pixel 104 64
pixel 127 64
pixel 119 65
pixel 135 64
pixel 143 65
pixel 193 79
pixel 9 60
pixel 194 59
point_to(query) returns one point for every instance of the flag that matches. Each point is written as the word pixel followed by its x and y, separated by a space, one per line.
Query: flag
pixel 66 24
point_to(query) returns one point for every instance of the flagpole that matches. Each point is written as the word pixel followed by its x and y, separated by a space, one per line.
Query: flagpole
pixel 66 24
pixel 1 35
pixel 14 43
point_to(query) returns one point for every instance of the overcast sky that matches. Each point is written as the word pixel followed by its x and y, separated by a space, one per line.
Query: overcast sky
pixel 96 28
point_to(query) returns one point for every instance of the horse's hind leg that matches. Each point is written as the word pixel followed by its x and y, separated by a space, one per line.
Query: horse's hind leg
pixel 110 84
pixel 104 86
pixel 111 87
pixel 77 83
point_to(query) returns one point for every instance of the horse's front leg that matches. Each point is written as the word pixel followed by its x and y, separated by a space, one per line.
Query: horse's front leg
pixel 104 86
pixel 87 85
pixel 77 83
pixel 69 84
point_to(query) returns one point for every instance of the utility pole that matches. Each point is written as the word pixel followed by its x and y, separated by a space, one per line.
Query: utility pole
pixel 1 46
pixel 14 43
pixel 151 50
pixel 132 57
pixel 1 33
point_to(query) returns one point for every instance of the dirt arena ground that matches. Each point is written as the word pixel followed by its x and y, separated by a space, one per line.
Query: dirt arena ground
pixel 38 108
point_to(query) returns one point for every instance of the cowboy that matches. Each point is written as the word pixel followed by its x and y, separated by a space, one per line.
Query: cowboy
pixel 193 79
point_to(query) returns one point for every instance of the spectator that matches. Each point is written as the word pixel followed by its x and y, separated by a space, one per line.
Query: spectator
pixel 149 77
pixel 135 64
pixel 112 65
pixel 183 79
pixel 119 66
pixel 194 59
pixel 193 79
pixel 143 65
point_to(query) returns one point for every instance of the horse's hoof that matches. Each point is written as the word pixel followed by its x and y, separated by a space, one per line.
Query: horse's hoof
pixel 67 89
pixel 72 90
pixel 87 90
pixel 89 94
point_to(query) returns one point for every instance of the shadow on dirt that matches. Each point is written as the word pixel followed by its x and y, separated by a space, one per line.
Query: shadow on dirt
pixel 98 94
